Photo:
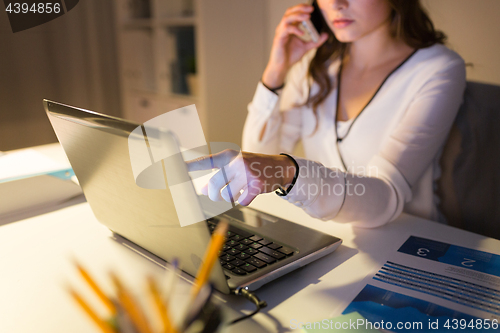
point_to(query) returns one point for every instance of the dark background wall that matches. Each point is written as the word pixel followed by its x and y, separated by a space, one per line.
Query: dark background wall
pixel 71 59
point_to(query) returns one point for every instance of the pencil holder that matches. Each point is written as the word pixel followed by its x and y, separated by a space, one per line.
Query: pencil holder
pixel 209 319
pixel 203 316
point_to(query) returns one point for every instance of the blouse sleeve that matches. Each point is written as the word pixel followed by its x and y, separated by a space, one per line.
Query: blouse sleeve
pixel 274 121
pixel 403 157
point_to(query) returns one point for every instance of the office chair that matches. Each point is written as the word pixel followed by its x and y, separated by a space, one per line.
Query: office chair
pixel 469 186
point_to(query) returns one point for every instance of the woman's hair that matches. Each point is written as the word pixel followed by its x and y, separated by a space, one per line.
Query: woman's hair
pixel 409 22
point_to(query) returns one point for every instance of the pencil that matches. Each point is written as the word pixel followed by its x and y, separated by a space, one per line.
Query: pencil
pixel 173 276
pixel 161 307
pixel 104 326
pixel 86 276
pixel 211 255
pixel 130 306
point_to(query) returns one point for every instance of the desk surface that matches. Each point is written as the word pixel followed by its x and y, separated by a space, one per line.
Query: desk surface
pixel 35 261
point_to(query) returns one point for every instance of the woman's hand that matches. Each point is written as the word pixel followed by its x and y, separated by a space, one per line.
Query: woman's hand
pixel 287 47
pixel 243 175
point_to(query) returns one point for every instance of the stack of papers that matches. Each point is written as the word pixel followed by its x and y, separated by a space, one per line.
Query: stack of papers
pixel 431 286
pixel 352 322
pixel 30 180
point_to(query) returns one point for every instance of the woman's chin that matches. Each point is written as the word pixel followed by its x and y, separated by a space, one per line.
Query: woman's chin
pixel 344 37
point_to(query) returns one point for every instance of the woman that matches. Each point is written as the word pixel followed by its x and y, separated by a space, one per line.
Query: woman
pixel 372 102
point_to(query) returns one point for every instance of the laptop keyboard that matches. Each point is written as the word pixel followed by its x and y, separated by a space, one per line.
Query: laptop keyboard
pixel 245 252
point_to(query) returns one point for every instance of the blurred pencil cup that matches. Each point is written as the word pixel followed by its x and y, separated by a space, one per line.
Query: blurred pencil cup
pixel 126 315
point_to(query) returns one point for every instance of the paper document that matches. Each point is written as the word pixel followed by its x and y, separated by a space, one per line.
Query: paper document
pixel 30 181
pixel 352 322
pixel 431 286
pixel 26 163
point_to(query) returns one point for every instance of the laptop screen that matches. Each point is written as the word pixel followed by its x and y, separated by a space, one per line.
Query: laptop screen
pixel 97 147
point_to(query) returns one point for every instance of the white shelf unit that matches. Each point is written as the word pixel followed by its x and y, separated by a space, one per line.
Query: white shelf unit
pixel 161 41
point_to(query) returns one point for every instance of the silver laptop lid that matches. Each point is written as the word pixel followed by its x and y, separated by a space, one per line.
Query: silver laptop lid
pixel 97 147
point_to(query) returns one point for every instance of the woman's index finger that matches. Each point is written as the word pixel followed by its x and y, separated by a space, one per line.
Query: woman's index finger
pixel 201 163
pixel 301 8
pixel 212 161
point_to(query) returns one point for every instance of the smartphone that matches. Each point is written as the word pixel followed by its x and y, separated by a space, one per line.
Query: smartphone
pixel 313 25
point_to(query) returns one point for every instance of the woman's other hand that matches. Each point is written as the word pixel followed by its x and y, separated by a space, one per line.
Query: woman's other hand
pixel 243 175
pixel 287 47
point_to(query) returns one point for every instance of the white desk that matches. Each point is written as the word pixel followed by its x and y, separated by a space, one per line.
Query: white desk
pixel 35 264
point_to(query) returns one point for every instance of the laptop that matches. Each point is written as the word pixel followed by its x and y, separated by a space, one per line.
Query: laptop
pixel 259 247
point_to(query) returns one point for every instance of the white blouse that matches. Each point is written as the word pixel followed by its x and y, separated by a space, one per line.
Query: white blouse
pixel 387 160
